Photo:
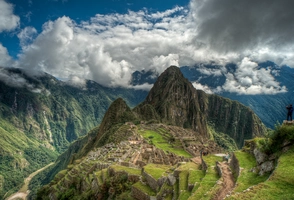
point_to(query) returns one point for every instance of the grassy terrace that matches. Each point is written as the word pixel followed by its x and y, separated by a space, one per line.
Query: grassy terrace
pixel 247 178
pixel 157 171
pixel 279 186
pixel 129 170
pixel 145 188
pixel 162 142
pixel 209 180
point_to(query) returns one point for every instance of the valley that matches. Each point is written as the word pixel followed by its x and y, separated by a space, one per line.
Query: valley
pixel 23 192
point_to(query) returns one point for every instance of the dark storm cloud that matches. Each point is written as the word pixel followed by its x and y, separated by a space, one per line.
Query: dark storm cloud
pixel 240 25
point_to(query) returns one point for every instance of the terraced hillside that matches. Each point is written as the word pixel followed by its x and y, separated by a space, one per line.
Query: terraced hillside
pixel 145 167
pixel 175 124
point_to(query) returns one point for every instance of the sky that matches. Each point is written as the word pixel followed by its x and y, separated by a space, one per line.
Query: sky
pixel 107 40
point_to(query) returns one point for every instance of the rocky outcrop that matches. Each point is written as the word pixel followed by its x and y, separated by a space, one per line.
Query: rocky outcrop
pixel 178 103
pixel 265 163
pixel 235 166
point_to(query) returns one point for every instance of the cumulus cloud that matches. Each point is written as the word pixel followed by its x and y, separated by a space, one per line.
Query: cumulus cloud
pixel 250 79
pixel 109 48
pixel 26 36
pixel 5 59
pixel 8 21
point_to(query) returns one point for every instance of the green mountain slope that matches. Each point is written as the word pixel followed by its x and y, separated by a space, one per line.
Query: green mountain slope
pixel 40 117
pixel 136 169
pixel 174 123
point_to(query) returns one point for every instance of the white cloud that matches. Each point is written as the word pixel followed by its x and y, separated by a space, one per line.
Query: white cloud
pixel 109 48
pixel 205 88
pixel 8 21
pixel 144 86
pixel 5 59
pixel 250 79
pixel 26 36
pixel 17 80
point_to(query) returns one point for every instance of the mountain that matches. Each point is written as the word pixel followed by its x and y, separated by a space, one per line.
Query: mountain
pixel 41 115
pixel 175 123
pixel 270 108
pixel 177 102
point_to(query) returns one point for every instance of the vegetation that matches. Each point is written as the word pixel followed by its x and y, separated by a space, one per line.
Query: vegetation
pixel 279 186
pixel 163 143
pixel 157 171
pixel 19 157
pixel 223 140
pixel 129 170
pixel 144 188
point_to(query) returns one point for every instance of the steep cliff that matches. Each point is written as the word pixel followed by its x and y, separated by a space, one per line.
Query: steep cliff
pixel 177 102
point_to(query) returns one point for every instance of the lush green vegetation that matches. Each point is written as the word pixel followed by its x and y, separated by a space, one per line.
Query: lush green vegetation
pixel 274 140
pixel 144 188
pixel 209 180
pixel 163 143
pixel 157 171
pixel 129 170
pixel 19 157
pixel 279 186
pixel 223 140
pixel 247 178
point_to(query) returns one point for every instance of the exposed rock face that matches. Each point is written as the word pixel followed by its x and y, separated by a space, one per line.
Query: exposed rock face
pixel 234 119
pixel 260 156
pixel 177 102
pixel 267 166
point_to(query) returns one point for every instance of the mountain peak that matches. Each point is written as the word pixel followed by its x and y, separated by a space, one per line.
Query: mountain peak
pixel 175 100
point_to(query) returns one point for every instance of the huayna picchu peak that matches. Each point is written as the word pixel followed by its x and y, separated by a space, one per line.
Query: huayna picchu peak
pixel 164 148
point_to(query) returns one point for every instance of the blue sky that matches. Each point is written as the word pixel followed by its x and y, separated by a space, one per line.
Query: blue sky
pixel 36 12
pixel 107 40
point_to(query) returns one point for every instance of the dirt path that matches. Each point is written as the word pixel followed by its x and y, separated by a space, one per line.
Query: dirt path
pixel 228 182
pixel 23 192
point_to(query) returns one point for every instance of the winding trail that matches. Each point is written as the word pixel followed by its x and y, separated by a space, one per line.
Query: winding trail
pixel 228 183
pixel 23 192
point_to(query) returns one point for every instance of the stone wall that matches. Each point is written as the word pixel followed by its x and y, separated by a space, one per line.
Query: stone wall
pixel 203 164
pixel 234 164
pixel 218 169
pixel 151 181
pixel 138 194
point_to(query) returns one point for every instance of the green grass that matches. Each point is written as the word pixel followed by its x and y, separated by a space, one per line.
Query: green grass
pixel 184 195
pixel 195 176
pixel 279 186
pixel 157 171
pixel 99 177
pixel 188 166
pixel 209 180
pixel 183 180
pixel 162 143
pixel 144 188
pixel 129 170
pixel 247 178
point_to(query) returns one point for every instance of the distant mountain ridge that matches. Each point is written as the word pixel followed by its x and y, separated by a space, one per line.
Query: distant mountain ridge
pixel 269 107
